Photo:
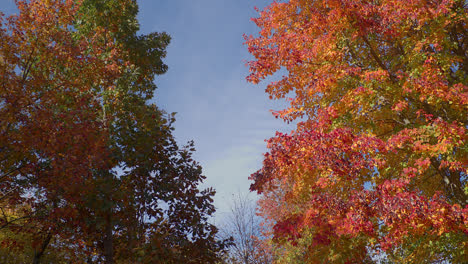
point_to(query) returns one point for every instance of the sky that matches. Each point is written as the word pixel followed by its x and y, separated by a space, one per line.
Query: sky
pixel 226 117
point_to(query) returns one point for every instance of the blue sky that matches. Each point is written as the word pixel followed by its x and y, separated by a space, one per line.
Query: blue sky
pixel 227 118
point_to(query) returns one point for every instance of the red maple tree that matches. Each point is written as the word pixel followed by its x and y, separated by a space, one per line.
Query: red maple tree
pixel 379 161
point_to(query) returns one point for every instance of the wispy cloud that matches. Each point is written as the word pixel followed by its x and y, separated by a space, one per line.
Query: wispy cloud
pixel 227 118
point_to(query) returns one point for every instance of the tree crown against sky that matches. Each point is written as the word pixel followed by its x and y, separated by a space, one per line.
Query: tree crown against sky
pixel 380 159
pixel 88 167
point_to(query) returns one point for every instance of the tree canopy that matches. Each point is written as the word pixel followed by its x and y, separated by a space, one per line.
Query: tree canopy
pixel 377 166
pixel 88 166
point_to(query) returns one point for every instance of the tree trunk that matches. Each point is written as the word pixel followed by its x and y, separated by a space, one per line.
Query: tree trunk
pixel 453 184
pixel 40 253
pixel 108 241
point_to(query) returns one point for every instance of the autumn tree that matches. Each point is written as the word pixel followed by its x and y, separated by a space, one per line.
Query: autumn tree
pixel 379 159
pixel 92 163
pixel 50 117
